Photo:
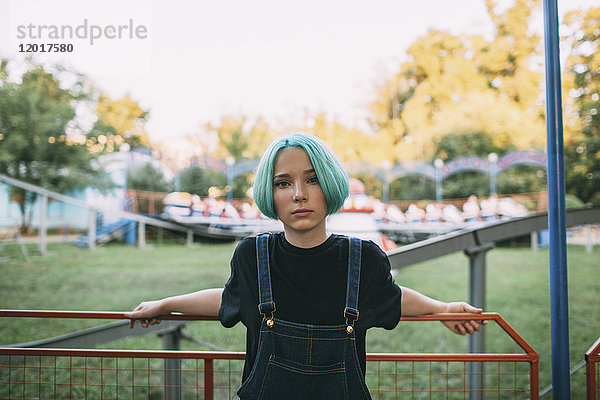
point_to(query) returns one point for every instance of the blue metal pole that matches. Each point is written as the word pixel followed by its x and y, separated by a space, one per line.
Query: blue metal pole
pixel 230 182
pixel 556 208
pixel 178 181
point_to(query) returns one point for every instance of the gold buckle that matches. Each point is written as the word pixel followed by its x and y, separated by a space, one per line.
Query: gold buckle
pixel 270 321
pixel 350 328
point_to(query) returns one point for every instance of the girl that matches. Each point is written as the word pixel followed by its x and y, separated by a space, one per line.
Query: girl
pixel 306 297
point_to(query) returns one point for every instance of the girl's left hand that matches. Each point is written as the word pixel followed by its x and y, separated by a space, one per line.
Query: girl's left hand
pixel 463 327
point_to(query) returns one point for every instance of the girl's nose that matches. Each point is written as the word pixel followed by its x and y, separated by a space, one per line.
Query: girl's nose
pixel 299 194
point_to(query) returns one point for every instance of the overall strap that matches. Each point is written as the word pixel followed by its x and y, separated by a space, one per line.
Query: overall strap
pixel 266 305
pixel 354 261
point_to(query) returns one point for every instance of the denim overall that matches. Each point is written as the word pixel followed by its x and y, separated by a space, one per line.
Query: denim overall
pixel 300 361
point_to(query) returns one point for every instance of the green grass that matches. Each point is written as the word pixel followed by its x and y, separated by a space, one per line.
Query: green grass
pixel 112 278
pixel 118 277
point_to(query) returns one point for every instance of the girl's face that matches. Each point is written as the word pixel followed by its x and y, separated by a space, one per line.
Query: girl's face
pixel 297 194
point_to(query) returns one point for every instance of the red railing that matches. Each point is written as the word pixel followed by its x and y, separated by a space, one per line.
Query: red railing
pixel 92 373
pixel 592 356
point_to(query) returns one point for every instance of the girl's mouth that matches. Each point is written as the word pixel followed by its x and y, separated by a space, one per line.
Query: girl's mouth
pixel 301 212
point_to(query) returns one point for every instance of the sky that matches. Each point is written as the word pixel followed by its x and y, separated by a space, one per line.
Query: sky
pixel 189 62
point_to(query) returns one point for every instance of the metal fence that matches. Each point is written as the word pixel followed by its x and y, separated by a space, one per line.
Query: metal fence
pixel 47 373
pixel 592 356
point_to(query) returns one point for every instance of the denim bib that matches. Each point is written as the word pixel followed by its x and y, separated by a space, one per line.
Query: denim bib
pixel 301 361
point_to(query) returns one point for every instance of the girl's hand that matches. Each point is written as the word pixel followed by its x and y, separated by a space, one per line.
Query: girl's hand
pixel 463 327
pixel 146 312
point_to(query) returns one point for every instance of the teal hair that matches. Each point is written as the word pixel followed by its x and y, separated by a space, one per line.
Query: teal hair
pixel 330 173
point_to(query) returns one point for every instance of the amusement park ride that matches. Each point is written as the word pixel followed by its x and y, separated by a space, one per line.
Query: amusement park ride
pixel 361 215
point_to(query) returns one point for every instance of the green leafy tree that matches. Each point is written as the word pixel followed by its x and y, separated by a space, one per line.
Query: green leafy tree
pixel 412 187
pixel 522 179
pixel 36 146
pixel 518 179
pixel 241 184
pixel 582 80
pixel 455 145
pixel 466 183
pixel 198 180
pixel 148 177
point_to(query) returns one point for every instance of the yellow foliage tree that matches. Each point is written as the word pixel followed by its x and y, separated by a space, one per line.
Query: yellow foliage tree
pixel 240 137
pixel 463 84
pixel 125 116
pixel 348 144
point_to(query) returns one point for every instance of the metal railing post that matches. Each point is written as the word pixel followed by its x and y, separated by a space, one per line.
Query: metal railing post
pixel 534 386
pixel 141 235
pixel 209 390
pixel 592 356
pixel 590 371
pixel 43 230
pixel 171 340
pixel 534 240
pixel 92 229
pixel 477 286
pixel 589 242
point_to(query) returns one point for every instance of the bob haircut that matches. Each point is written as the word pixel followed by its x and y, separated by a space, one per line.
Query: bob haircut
pixel 330 173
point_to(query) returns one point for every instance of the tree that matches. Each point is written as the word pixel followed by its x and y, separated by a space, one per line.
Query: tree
pixel 198 180
pixel 582 80
pixel 349 144
pixel 519 179
pixel 241 184
pixel 463 84
pixel 148 177
pixel 506 61
pixel 522 179
pixel 40 141
pixel 412 187
pixel 454 145
pixel 240 137
pixel 119 121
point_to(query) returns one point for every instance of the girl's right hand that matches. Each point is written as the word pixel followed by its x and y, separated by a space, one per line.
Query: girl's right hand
pixel 146 313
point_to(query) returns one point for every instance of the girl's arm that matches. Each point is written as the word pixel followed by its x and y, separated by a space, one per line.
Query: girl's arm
pixel 414 303
pixel 204 302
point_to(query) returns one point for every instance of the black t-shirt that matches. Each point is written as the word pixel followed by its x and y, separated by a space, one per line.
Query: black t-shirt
pixel 309 287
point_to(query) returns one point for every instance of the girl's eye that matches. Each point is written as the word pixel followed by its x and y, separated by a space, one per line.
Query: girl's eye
pixel 281 184
pixel 313 179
